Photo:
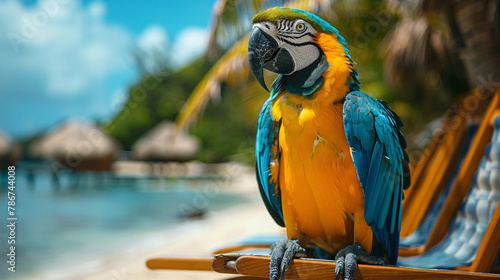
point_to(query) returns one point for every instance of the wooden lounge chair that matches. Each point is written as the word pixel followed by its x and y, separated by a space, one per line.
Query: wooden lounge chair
pixel 462 182
pixel 421 234
pixel 434 169
pixel 475 223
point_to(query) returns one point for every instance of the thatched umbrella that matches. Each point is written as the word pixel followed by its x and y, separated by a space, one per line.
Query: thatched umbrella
pixel 165 143
pixel 79 146
pixel 10 151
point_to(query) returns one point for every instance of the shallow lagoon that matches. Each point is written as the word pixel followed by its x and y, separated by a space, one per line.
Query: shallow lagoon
pixel 83 219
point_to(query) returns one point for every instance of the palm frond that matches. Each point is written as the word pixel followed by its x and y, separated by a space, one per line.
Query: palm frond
pixel 407 50
pixel 231 21
pixel 232 66
pixel 232 18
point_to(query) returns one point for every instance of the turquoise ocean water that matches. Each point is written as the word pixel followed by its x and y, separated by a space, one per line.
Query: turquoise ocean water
pixel 98 216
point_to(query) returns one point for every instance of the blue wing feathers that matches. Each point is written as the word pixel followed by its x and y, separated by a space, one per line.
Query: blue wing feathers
pixel 371 189
pixel 387 192
pixel 373 132
pixel 267 137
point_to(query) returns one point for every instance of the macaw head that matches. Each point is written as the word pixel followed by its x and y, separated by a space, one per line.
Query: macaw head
pixel 284 41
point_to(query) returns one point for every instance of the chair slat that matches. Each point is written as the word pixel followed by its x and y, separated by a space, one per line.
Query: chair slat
pixel 256 266
pixel 490 246
pixel 465 176
pixel 180 263
pixel 434 169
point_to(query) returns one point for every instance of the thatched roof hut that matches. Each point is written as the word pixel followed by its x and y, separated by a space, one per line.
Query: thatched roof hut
pixel 165 143
pixel 79 146
pixel 10 151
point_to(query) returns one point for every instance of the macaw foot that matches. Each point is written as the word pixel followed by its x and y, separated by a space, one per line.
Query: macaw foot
pixel 347 261
pixel 282 253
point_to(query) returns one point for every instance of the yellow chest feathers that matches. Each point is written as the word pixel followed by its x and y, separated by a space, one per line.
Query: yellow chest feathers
pixel 322 199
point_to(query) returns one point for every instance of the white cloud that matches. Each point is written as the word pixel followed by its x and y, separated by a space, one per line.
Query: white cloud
pixel 118 99
pixel 189 45
pixel 153 47
pixel 59 59
pixel 67 44
pixel 154 38
pixel 97 9
pixel 62 59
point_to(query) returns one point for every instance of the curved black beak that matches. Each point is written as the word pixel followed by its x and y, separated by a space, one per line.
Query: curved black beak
pixel 264 52
pixel 261 50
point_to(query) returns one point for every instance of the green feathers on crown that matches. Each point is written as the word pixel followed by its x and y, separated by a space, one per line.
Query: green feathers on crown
pixel 274 14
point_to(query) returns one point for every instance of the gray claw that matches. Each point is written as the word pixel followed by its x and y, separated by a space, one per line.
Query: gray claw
pixel 284 267
pixel 347 261
pixel 282 253
pixel 339 267
pixel 350 266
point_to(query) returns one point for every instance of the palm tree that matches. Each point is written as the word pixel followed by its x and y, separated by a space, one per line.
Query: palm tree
pixel 452 46
pixel 478 26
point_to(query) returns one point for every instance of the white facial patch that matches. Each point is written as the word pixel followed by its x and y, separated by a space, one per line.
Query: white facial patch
pixel 294 36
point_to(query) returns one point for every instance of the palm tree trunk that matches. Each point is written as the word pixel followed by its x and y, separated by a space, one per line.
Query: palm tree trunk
pixel 480 55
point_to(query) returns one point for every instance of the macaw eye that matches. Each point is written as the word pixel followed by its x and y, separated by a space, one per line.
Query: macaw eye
pixel 300 27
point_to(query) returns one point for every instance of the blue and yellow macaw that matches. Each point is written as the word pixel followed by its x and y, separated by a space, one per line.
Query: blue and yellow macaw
pixel 331 163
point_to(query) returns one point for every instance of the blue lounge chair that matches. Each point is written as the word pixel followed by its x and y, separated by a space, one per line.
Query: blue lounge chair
pixel 460 246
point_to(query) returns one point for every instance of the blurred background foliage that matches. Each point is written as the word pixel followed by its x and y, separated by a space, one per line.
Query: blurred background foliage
pixel 417 55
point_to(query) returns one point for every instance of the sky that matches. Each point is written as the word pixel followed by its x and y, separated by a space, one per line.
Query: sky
pixel 73 59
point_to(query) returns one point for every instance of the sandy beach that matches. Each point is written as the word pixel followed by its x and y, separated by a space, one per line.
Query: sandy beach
pixel 194 239
pixel 191 238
